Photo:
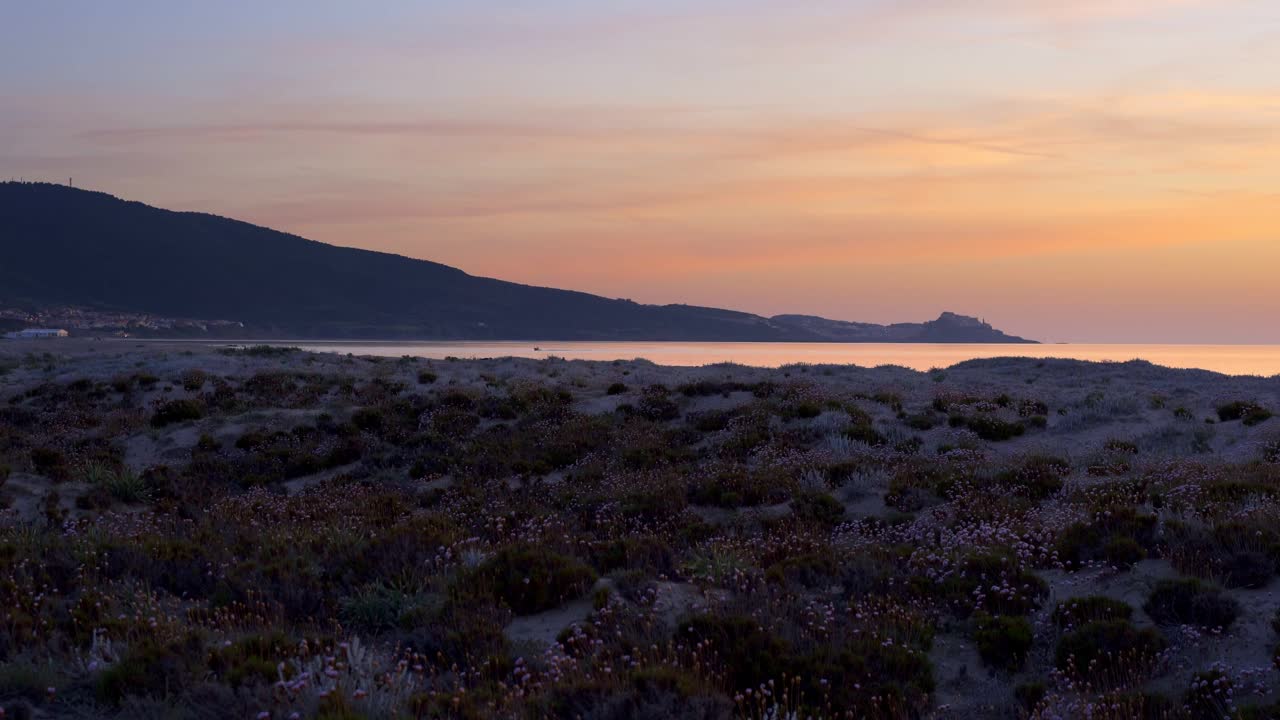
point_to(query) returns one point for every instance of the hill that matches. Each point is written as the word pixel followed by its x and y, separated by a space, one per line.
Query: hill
pixel 61 246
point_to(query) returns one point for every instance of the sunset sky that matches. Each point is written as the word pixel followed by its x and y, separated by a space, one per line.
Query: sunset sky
pixel 1099 170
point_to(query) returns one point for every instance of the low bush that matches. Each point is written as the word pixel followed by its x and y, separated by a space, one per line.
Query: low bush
pixel 530 580
pixel 1109 653
pixel 817 507
pixel 1122 552
pixel 250 660
pixel 176 411
pixel 865 433
pixel 1250 413
pixel 50 463
pixel 1094 608
pixel 152 669
pixel 923 421
pixel 1003 642
pixel 375 608
pixel 1126 447
pixel 1038 477
pixel 1030 694
pixel 989 582
pixel 193 380
pixel 1191 602
pixel 988 427
pixel 883 679
pixel 1103 539
pixel 811 570
pixel 656 405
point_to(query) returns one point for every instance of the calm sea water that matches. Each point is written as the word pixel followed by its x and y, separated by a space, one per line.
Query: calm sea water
pixel 1230 359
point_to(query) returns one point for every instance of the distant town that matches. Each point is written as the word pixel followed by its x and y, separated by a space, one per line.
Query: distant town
pixel 54 322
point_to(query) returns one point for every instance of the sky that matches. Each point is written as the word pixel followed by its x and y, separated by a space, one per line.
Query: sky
pixel 1089 171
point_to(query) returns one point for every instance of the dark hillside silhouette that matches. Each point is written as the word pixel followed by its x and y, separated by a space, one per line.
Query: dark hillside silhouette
pixel 65 246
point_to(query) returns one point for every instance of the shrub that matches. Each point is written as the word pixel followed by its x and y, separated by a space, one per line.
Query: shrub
pixel 865 433
pixel 1109 653
pixel 531 580
pixel 50 462
pixel 150 669
pixel 655 405
pixel 1094 608
pixel 1030 694
pixel 616 389
pixel 426 377
pixel 261 351
pixel 752 656
pixel 193 380
pixel 1247 569
pixel 739 487
pixel 1121 446
pixel 1039 477
pixel 989 427
pixel 176 411
pixel 1251 413
pixel 817 507
pixel 374 608
pixel 809 570
pixel 1123 552
pixel 856 672
pixel 1191 602
pixel 709 421
pixel 249 660
pixel 990 582
pixel 923 421
pixel 1003 642
pixel 1086 542
pixel 648 553
pixel 807 410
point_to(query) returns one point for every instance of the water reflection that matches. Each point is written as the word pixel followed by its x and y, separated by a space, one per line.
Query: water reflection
pixel 1230 359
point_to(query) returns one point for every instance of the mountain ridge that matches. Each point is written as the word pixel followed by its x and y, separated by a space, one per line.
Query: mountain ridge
pixel 67 246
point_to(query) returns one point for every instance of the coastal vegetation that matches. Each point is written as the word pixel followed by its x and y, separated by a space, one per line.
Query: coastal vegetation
pixel 268 533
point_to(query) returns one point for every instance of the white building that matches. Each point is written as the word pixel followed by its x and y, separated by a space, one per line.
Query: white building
pixel 37 333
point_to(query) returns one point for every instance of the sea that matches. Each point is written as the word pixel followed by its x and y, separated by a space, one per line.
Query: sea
pixel 1263 360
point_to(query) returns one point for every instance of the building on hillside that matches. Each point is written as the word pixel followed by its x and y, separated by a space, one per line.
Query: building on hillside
pixel 29 333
